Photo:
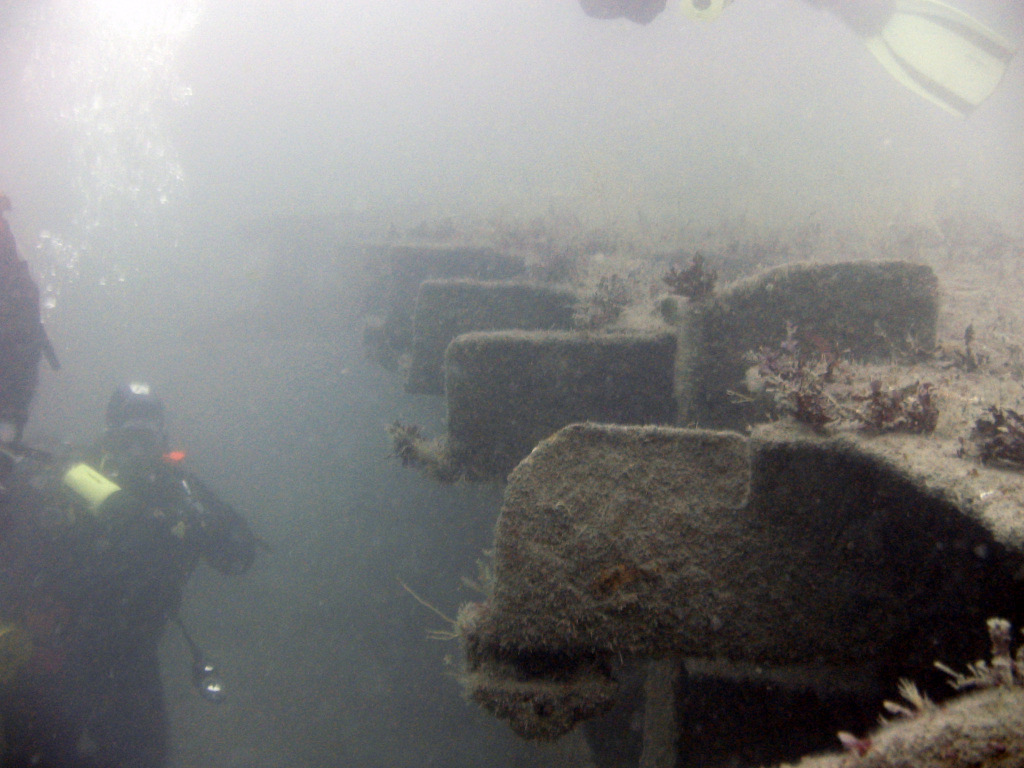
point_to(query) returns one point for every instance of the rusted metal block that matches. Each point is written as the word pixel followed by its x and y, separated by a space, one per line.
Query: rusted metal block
pixel 865 311
pixel 448 308
pixel 782 549
pixel 401 269
pixel 507 390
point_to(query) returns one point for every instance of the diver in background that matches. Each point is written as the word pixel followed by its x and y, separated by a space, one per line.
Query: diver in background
pixel 939 52
pixel 22 338
pixel 94 555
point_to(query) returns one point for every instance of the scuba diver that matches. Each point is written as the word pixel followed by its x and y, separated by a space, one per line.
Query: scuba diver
pixel 937 51
pixel 22 337
pixel 95 551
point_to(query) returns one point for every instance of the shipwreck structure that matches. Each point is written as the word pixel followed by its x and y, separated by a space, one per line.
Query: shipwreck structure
pixel 683 591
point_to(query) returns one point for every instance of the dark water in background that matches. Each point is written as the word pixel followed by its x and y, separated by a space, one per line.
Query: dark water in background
pixel 333 664
pixel 190 197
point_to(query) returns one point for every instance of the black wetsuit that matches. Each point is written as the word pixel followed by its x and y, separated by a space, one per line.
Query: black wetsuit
pixel 21 333
pixel 94 594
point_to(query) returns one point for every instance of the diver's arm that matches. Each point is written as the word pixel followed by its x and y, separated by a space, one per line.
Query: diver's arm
pixel 227 542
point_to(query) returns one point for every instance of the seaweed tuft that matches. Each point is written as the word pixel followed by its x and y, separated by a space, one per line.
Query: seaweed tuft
pixel 696 282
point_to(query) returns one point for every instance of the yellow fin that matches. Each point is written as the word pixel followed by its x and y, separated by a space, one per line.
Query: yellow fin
pixel 941 53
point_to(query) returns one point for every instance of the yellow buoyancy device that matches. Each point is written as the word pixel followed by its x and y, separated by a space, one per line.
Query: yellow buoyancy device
pixel 90 485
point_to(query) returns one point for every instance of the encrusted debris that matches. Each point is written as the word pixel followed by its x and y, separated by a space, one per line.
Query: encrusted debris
pixel 984 729
pixel 999 436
